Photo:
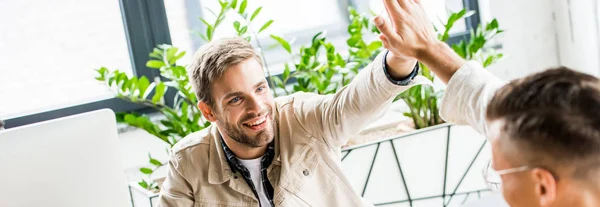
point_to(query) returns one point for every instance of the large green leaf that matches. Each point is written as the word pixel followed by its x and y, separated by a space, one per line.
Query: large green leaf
pixel 255 13
pixel 143 184
pixel 278 82
pixel 493 25
pixel 454 17
pixel 155 162
pixel 285 44
pixel 154 64
pixel 236 25
pixel 170 54
pixel 184 110
pixel 142 85
pixel 265 26
pixel 102 72
pixel 149 90
pixel 243 6
pixel 354 40
pixel 179 56
pixel 146 170
pixel 375 45
pixel 209 33
pixel 286 72
pixel 206 22
pixel 159 91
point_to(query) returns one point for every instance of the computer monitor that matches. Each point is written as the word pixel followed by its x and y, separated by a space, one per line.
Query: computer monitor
pixel 68 162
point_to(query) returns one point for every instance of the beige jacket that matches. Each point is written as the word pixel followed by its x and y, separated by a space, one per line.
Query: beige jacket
pixel 306 169
pixel 467 95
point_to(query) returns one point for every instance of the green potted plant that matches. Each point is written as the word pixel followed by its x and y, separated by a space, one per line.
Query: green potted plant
pixel 176 121
pixel 182 117
pixel 307 72
pixel 423 101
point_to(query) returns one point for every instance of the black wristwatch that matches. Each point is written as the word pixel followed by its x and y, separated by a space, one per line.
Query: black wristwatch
pixel 403 82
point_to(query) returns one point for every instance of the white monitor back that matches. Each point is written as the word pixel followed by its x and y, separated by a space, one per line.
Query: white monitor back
pixel 68 162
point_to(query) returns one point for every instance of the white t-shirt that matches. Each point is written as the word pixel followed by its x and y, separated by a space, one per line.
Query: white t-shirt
pixel 253 167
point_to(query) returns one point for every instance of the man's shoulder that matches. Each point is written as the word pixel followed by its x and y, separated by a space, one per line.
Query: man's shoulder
pixel 199 140
pixel 297 97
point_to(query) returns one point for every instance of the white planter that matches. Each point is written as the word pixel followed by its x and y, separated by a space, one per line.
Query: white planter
pixel 428 167
pixel 141 197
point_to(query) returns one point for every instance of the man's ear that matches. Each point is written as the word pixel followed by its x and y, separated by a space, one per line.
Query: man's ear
pixel 207 111
pixel 545 186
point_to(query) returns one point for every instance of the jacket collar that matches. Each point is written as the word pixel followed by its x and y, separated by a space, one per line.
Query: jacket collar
pixel 218 169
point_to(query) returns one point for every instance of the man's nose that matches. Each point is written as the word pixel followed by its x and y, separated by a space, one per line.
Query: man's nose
pixel 255 105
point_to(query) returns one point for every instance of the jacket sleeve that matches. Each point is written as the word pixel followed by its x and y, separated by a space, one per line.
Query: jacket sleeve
pixel 334 118
pixel 175 190
pixel 467 95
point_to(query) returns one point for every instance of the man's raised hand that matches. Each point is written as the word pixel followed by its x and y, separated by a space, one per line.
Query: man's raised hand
pixel 410 32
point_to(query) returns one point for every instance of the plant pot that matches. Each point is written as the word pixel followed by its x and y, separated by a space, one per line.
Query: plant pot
pixel 141 197
pixel 435 166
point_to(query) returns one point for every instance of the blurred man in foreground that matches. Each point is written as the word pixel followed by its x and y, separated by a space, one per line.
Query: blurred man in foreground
pixel 544 128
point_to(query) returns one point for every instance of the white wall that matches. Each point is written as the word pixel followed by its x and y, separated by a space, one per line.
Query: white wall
pixel 529 42
pixel 577 33
pixel 541 34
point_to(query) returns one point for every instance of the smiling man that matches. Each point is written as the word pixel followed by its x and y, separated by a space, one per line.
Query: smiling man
pixel 262 151
pixel 544 128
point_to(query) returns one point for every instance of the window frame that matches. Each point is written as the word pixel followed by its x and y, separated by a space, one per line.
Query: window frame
pixel 144 23
pixel 146 26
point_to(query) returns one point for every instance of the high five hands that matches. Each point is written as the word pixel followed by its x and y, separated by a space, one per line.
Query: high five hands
pixel 411 36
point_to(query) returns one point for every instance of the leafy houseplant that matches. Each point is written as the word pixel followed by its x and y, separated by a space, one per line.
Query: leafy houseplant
pixel 327 75
pixel 423 100
pixel 182 117
pixel 179 120
pixel 317 67
pixel 242 28
pixel 312 75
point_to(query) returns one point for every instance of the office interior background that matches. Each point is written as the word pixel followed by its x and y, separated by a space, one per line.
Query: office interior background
pixel 51 51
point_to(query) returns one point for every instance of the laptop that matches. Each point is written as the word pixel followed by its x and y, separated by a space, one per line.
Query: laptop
pixel 68 162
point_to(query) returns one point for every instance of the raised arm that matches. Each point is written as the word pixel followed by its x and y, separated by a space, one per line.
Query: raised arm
pixel 470 87
pixel 335 118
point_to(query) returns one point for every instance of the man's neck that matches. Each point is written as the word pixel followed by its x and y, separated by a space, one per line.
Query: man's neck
pixel 242 151
pixel 582 197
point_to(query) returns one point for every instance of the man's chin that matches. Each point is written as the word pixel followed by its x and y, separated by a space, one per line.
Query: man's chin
pixel 262 138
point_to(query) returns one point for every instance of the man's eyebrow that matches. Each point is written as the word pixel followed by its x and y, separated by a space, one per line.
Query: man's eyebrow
pixel 231 94
pixel 260 83
pixel 238 93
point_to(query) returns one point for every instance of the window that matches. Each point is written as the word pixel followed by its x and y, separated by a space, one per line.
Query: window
pixel 49 57
pixel 50 51
pixel 293 19
pixel 437 10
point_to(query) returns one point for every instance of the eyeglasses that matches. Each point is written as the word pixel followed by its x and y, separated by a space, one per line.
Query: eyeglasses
pixel 493 177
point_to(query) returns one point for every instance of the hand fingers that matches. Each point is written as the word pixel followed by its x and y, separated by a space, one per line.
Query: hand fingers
pixel 393 8
pixel 384 27
pixel 406 4
pixel 385 42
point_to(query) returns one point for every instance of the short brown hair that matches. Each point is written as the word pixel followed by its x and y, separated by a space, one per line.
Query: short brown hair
pixel 213 59
pixel 553 117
